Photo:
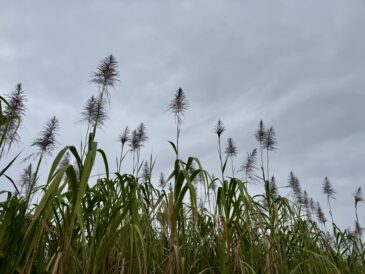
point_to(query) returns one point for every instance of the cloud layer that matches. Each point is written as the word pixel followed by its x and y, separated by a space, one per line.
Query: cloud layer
pixel 297 65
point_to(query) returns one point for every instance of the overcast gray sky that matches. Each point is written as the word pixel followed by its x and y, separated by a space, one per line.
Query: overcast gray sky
pixel 298 65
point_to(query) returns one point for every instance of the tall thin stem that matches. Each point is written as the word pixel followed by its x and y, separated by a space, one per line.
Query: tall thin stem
pixel 177 139
pixel 34 180
pixel 122 156
pixel 267 163
pixel 232 167
pixel 220 157
pixel 330 209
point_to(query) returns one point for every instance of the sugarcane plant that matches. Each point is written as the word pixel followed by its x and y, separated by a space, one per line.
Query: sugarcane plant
pixel 74 220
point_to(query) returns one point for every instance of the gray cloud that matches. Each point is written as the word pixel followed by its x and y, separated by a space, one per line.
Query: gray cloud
pixel 299 66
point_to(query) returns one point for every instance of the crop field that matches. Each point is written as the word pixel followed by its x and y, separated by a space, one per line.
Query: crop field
pixel 186 221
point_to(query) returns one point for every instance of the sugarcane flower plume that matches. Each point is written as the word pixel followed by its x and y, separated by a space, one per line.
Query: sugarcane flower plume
pixel 269 139
pixel 358 196
pixel 273 186
pixel 294 184
pixel 94 112
pixel 134 141
pixel 328 189
pixel 124 136
pixel 141 133
pixel 249 165
pixel 312 204
pixel 107 74
pixel 320 215
pixel 305 200
pixel 146 172
pixel 138 137
pixel 219 128
pixel 261 134
pixel 26 178
pixel 16 110
pixel 178 105
pixel 16 100
pixel 46 141
pixel 231 149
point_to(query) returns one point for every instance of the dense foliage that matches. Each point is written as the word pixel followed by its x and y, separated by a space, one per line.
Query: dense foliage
pixel 190 222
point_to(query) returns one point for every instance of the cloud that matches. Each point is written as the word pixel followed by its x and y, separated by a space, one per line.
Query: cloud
pixel 299 66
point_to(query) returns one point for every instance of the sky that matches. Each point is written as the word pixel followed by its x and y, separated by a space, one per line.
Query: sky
pixel 297 65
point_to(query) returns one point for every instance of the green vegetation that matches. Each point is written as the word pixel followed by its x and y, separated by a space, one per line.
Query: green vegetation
pixel 71 222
